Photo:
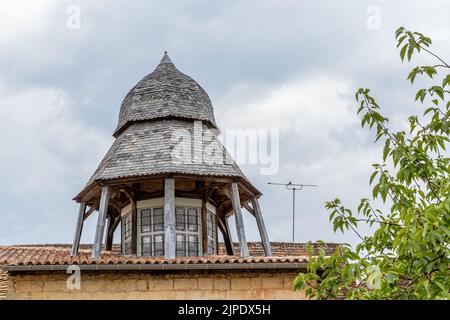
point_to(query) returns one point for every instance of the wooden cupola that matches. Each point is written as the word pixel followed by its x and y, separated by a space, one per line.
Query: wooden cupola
pixel 161 180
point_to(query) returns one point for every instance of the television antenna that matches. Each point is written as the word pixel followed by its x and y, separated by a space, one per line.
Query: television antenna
pixel 294 187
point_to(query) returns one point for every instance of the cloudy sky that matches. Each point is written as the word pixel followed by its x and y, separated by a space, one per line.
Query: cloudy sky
pixel 292 65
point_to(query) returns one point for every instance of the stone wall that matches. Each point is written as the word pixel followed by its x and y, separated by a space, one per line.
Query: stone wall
pixel 3 284
pixel 132 285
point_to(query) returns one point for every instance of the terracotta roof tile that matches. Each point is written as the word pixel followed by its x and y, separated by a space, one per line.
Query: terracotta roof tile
pixel 59 254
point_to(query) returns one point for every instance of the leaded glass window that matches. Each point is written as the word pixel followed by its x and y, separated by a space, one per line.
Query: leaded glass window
pixel 151 232
pixel 126 234
pixel 212 232
pixel 187 230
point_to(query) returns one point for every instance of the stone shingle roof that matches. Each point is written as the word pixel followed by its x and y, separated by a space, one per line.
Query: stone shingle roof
pixel 164 103
pixel 166 92
pixel 23 255
pixel 146 149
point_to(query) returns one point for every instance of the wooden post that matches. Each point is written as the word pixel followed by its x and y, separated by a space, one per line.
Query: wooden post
pixel 78 229
pixel 134 228
pixel 216 217
pixel 109 224
pixel 239 220
pixel 230 237
pixel 101 220
pixel 89 212
pixel 261 227
pixel 113 222
pixel 134 218
pixel 225 229
pixel 204 217
pixel 170 238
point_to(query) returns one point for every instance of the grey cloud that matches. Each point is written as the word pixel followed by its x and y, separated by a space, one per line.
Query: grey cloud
pixel 221 44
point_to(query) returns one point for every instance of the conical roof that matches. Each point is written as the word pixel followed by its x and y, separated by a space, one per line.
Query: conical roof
pixel 161 104
pixel 165 93
pixel 146 148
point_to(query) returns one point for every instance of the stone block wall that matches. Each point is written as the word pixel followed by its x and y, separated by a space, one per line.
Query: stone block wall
pixel 176 285
pixel 3 284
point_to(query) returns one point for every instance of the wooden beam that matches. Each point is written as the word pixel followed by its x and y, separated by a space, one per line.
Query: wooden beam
pixel 224 228
pixel 103 208
pixel 229 212
pixel 203 178
pixel 228 229
pixel 134 226
pixel 78 229
pixel 234 191
pixel 108 240
pixel 178 177
pixel 149 195
pixel 135 189
pixel 90 211
pixel 204 220
pixel 199 187
pixel 216 217
pixel 190 195
pixel 111 229
pixel 115 206
pixel 244 203
pixel 135 179
pixel 116 223
pixel 246 195
pixel 227 193
pixel 262 228
pixel 127 194
pixel 170 238
pixel 87 194
pixel 249 209
pixel 246 190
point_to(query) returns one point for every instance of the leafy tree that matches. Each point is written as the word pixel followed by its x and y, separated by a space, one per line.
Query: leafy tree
pixel 407 256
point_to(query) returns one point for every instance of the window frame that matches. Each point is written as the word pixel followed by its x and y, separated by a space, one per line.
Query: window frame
pixel 159 203
pixel 213 235
pixel 123 232
pixel 152 233
pixel 186 233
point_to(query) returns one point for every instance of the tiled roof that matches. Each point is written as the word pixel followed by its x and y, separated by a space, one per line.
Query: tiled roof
pixel 166 92
pixel 26 255
pixel 146 149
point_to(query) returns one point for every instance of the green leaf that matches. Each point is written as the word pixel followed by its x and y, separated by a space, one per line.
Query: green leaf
pixel 439 91
pixel 430 71
pixel 386 149
pixel 373 175
pixel 446 81
pixel 410 51
pixel 428 110
pixel 403 51
pixel 421 94
pixel 412 74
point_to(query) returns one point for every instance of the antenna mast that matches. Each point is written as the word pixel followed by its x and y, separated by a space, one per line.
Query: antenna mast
pixel 294 187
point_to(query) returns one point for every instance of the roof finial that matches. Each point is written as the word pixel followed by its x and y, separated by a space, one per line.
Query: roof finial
pixel 165 58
